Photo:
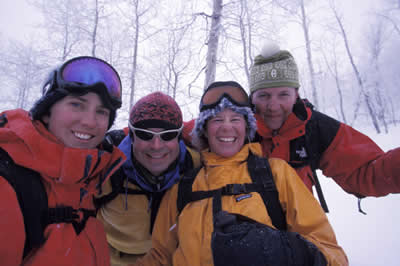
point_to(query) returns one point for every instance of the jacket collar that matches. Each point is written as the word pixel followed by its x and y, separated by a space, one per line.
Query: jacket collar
pixel 31 145
pixel 211 159
pixel 138 177
pixel 292 127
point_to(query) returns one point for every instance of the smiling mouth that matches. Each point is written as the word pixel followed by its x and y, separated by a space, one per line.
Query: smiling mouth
pixel 82 136
pixel 232 139
pixel 156 156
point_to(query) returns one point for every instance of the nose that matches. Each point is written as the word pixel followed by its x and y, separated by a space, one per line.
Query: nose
pixel 156 142
pixel 273 104
pixel 226 125
pixel 89 119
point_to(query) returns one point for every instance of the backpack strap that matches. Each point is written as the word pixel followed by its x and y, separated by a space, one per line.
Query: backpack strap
pixel 263 183
pixel 261 174
pixel 33 202
pixel 185 188
pixel 32 198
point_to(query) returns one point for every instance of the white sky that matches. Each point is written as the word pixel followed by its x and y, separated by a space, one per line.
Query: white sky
pixel 16 18
pixel 371 239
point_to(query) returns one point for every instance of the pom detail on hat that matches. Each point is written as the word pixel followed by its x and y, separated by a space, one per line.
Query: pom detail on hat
pixel 269 49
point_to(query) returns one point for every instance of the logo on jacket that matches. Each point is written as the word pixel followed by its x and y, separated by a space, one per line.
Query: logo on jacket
pixel 302 153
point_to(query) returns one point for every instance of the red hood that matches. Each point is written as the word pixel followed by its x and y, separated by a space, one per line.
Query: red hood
pixel 292 128
pixel 31 145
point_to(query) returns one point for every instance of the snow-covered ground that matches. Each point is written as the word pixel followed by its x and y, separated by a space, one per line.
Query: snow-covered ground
pixel 372 239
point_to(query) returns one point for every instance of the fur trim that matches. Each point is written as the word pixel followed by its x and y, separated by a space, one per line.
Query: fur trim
pixel 199 127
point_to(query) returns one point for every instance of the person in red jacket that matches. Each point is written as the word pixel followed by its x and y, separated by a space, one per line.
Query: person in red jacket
pixel 289 128
pixel 52 162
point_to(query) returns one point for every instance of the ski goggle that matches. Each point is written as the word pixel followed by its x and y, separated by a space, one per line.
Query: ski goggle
pixel 148 135
pixel 84 72
pixel 213 96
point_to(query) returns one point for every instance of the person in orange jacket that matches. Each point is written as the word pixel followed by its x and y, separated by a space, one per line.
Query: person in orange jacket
pixel 225 219
pixel 53 160
pixel 289 128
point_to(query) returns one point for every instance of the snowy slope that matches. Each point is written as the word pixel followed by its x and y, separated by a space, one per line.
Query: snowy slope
pixel 372 239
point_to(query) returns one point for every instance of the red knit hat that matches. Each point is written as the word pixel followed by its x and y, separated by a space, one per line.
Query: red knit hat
pixel 156 110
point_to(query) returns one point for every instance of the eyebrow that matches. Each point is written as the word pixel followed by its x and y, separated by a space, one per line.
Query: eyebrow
pixel 80 98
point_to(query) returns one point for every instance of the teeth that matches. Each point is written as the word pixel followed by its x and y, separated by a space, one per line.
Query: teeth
pixel 227 139
pixel 82 136
pixel 154 156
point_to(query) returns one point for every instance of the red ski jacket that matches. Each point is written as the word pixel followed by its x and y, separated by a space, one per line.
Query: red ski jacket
pixel 71 177
pixel 310 140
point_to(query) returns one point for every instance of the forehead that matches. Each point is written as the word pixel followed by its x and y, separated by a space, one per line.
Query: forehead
pixel 229 113
pixel 276 90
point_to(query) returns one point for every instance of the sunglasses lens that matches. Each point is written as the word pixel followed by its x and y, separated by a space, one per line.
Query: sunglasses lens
pixel 89 71
pixel 143 135
pixel 169 135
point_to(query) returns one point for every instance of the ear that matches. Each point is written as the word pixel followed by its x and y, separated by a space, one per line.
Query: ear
pixel 297 93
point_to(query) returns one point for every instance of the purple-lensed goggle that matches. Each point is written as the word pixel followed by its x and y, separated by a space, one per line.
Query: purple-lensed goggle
pixel 86 71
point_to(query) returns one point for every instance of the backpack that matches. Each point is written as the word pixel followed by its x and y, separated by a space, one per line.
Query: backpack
pixel 238 240
pixel 308 149
pixel 32 199
pixel 263 183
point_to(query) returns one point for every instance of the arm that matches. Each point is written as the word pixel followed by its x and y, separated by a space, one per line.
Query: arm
pixel 359 166
pixel 165 232
pixel 303 213
pixel 12 226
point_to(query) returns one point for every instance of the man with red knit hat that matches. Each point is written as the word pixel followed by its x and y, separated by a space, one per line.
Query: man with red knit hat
pixel 156 159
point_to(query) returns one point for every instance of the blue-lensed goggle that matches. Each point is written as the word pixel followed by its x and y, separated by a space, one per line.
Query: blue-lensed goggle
pixel 84 72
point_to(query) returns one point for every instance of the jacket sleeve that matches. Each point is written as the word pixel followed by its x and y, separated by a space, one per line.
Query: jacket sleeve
pixel 165 232
pixel 359 166
pixel 304 215
pixel 12 230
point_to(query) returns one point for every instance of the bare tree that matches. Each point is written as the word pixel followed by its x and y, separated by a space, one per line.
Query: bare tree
pixel 22 73
pixel 357 74
pixel 298 9
pixel 213 42
pixel 334 71
pixel 61 20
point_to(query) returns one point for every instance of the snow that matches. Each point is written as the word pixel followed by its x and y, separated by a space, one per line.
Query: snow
pixel 371 239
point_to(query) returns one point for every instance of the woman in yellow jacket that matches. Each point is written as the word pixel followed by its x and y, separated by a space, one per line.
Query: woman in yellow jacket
pixel 235 228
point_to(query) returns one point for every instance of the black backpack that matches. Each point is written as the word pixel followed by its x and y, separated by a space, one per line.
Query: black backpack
pixel 238 240
pixel 308 149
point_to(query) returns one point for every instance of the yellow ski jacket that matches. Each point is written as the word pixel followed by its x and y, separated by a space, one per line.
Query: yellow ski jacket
pixel 185 238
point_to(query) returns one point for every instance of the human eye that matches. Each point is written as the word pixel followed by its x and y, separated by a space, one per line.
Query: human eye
pixel 216 119
pixel 103 112
pixel 262 95
pixel 237 119
pixel 76 104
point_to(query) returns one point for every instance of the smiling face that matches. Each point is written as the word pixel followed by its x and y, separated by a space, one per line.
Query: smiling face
pixel 78 121
pixel 274 105
pixel 156 155
pixel 226 133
